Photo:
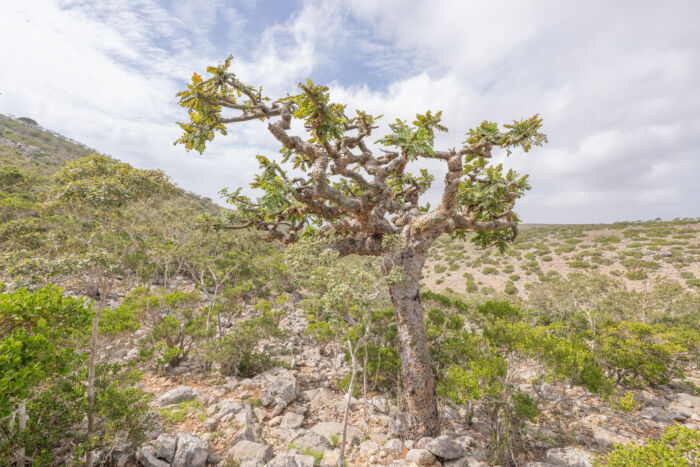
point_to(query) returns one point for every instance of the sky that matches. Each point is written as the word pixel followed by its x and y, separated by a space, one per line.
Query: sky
pixel 617 84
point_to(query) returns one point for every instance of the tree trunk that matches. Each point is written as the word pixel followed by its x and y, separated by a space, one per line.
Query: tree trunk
pixel 417 379
pixel 90 456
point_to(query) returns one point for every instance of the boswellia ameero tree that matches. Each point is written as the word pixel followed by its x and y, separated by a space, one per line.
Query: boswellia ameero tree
pixel 364 198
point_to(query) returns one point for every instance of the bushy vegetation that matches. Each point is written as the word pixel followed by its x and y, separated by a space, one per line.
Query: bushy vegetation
pixel 44 381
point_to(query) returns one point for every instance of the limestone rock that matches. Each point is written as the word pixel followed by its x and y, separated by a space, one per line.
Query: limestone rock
pixel 311 440
pixel 570 457
pixel 420 456
pixel 292 420
pixel 174 396
pixel 445 447
pixel 291 460
pixel 190 451
pixel 328 429
pixel 166 447
pixel 146 458
pixel 248 450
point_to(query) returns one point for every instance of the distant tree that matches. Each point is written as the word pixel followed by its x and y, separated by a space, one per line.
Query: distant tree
pixel 363 200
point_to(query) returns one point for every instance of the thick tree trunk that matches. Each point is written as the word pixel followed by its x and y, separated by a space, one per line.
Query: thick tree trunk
pixel 417 379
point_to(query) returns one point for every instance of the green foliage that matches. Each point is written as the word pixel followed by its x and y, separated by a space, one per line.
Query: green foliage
pixel 238 352
pixel 626 403
pixel 100 182
pixel 638 353
pixel 510 288
pixel 679 446
pixel 489 270
pixel 39 334
pixel 43 362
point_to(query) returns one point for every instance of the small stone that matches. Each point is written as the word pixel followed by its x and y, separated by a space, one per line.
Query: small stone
pixel 210 424
pixel 214 458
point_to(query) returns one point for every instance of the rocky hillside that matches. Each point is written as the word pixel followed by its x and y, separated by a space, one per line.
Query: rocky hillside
pixel 213 347
pixel 291 415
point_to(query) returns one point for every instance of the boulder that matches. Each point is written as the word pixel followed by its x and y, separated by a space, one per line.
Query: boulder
pixel 330 458
pixel 166 447
pixel 446 448
pixel 174 396
pixel 292 420
pixel 329 429
pixel 570 457
pixel 368 448
pixel 291 460
pixel 420 456
pixel 248 450
pixel 394 445
pixel 280 386
pixel 311 440
pixel 190 451
pixel 146 458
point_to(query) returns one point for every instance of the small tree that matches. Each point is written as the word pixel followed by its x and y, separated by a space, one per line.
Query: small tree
pixel 94 191
pixel 362 198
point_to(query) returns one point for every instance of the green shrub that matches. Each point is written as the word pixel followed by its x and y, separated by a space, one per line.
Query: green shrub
pixel 510 288
pixel 509 268
pixel 636 275
pixel 489 270
pixel 514 277
pixel 679 446
pixel 607 239
pixel 439 268
pixel 471 286
pixel 237 351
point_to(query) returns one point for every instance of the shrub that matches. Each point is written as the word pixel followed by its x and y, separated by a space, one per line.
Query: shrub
pixel 440 268
pixel 679 446
pixel 237 351
pixel 471 286
pixel 510 288
pixel 489 270
pixel 607 239
pixel 627 403
pixel 514 277
pixel 636 275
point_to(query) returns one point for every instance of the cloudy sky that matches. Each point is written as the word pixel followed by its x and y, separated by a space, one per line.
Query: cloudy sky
pixel 617 83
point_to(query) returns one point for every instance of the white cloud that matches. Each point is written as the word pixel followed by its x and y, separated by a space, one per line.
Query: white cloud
pixel 618 86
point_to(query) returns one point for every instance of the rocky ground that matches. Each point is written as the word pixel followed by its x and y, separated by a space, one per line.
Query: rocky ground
pixel 292 415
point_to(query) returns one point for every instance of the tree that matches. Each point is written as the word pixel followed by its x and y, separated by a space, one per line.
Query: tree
pixel 362 199
pixel 95 191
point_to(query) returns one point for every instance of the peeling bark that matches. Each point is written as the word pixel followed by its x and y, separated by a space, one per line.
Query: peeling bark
pixel 417 378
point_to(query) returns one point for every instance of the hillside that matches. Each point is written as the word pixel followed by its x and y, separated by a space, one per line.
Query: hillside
pixel 30 153
pixel 212 347
pixel 635 253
